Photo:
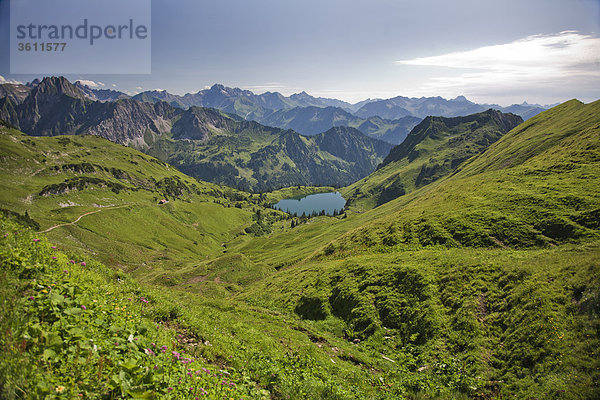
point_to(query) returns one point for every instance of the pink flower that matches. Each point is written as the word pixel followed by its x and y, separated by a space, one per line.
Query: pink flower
pixel 31 298
pixel 143 300
pixel 83 264
pixel 54 247
pixel 54 258
pixel 169 389
pixel 72 261
pixel 36 240
pixel 83 307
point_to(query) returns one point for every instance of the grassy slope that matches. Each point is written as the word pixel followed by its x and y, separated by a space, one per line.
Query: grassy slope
pixel 485 320
pixel 432 150
pixel 524 320
pixel 127 229
pixel 547 196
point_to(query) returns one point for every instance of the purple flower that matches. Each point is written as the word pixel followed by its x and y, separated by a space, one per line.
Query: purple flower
pixel 36 240
pixel 176 354
pixel 31 298
pixel 83 307
pixel 72 261
pixel 156 367
pixel 83 264
pixel 143 300
pixel 65 271
pixel 150 352
pixel 54 247
pixel 54 258
pixel 163 349
pixel 169 389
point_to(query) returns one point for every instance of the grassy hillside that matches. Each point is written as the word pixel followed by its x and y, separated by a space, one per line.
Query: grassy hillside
pixel 537 186
pixel 482 284
pixel 432 150
pixel 491 271
pixel 91 194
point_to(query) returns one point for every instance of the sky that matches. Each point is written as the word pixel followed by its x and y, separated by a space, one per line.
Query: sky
pixel 495 52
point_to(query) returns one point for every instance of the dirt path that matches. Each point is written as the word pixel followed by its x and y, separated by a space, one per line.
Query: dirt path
pixel 81 216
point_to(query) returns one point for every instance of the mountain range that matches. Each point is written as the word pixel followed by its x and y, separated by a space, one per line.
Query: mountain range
pixel 386 119
pixel 205 143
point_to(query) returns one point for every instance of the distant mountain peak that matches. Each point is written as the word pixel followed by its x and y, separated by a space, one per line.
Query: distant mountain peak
pixel 57 86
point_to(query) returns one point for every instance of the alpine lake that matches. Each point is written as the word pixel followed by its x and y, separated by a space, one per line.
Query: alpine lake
pixel 312 204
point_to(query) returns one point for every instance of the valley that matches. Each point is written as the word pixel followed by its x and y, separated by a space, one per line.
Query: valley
pixel 465 264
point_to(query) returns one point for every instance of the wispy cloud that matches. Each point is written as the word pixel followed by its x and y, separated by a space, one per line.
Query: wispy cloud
pixel 3 80
pixel 565 61
pixel 91 84
pixel 272 87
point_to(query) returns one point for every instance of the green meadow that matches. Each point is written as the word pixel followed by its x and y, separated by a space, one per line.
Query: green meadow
pixel 481 284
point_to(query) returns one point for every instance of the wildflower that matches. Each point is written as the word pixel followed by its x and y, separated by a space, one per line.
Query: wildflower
pixel 176 354
pixel 54 258
pixel 54 247
pixel 83 264
pixel 169 389
pixel 60 389
pixel 129 299
pixel 163 349
pixel 149 352
pixel 83 307
pixel 143 300
pixel 130 338
pixel 156 367
pixel 72 261
pixel 36 240
pixel 44 291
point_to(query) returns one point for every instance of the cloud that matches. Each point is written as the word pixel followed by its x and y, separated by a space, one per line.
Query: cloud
pixel 272 87
pixel 138 88
pixel 561 63
pixel 91 84
pixel 3 80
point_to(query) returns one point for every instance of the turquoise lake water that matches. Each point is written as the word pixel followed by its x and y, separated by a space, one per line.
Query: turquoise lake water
pixel 313 203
